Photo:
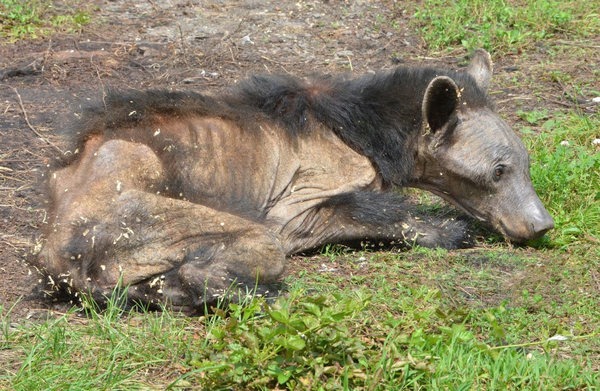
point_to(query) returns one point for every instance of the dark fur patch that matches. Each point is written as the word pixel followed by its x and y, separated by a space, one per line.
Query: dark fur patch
pixel 383 217
pixel 374 114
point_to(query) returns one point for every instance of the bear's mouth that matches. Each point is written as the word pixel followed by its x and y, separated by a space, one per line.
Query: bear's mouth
pixel 494 224
pixel 465 208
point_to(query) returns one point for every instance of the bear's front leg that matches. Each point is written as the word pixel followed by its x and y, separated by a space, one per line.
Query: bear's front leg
pixel 368 216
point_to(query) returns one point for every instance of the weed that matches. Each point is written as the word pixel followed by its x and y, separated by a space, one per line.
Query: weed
pixel 533 117
pixel 332 251
pixel 35 18
pixel 5 333
pixel 501 26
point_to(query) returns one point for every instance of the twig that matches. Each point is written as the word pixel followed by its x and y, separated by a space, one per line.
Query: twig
pixel 113 43
pixel 12 178
pixel 388 44
pixel 466 291
pixel 10 244
pixel 537 343
pixel 15 207
pixel 101 82
pixel 19 160
pixel 142 67
pixel 321 38
pixel 238 28
pixel 560 103
pixel 232 56
pixel 513 98
pixel 46 55
pixel 32 153
pixel 276 62
pixel 578 44
pixel 27 119
pixel 156 9
pixel 593 274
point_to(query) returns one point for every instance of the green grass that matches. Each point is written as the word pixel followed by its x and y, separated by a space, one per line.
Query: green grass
pixel 566 174
pixel 388 332
pixel 38 18
pixel 492 317
pixel 502 26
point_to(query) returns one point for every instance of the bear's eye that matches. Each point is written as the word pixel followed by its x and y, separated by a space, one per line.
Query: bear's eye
pixel 498 171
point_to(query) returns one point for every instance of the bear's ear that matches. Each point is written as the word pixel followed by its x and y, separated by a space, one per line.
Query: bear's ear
pixel 440 105
pixel 481 68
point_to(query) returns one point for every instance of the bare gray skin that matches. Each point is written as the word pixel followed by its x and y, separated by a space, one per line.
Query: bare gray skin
pixel 244 203
pixel 481 149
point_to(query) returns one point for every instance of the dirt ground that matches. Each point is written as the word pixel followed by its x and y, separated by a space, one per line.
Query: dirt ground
pixel 200 45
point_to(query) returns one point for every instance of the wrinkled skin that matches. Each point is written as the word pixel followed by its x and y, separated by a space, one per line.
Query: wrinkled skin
pixel 189 208
pixel 474 160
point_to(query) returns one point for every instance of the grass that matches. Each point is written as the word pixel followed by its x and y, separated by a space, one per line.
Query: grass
pixel 388 332
pixel 503 26
pixel 38 18
pixel 566 158
pixel 492 317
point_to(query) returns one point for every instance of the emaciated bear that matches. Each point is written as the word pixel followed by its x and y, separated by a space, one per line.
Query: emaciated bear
pixel 181 196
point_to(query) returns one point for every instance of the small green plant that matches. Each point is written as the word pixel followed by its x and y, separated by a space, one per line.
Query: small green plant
pixel 533 117
pixel 281 343
pixel 501 26
pixel 333 251
pixel 5 324
pixel 35 18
